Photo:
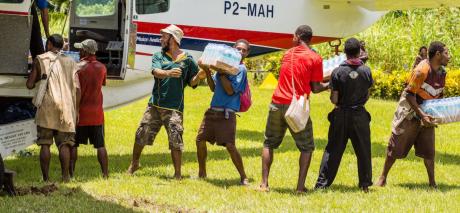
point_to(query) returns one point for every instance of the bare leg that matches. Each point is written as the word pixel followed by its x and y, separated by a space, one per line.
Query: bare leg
pixel 202 153
pixel 304 164
pixel 238 162
pixel 64 157
pixel 429 164
pixel 103 161
pixel 137 151
pixel 267 160
pixel 176 156
pixel 73 160
pixel 389 161
pixel 45 157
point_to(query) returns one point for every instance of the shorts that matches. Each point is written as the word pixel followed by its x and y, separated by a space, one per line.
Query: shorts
pixel 45 136
pixel 412 133
pixel 216 129
pixel 152 121
pixel 95 135
pixel 276 129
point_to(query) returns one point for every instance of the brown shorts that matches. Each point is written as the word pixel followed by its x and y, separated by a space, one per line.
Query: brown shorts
pixel 155 117
pixel 45 137
pixel 412 133
pixel 216 129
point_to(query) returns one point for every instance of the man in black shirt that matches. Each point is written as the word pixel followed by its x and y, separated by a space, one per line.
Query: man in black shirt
pixel 350 84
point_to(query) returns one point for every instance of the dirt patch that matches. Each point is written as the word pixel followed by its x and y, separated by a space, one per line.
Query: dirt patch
pixel 33 190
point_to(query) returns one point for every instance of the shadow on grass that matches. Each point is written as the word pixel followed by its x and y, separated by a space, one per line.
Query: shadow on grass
pixel 225 183
pixel 62 200
pixel 442 187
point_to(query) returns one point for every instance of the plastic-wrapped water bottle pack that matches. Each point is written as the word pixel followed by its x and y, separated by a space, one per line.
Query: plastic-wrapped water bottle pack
pixel 446 110
pixel 221 56
pixel 74 55
pixel 330 64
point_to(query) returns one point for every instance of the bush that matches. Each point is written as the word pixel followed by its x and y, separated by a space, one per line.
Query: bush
pixel 390 85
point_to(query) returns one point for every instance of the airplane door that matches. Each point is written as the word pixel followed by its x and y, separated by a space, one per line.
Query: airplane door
pixel 15 32
pixel 103 21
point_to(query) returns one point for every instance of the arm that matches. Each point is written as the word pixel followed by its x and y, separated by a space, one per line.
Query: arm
pixel 45 21
pixel 195 80
pixel 427 120
pixel 34 75
pixel 210 80
pixel 226 84
pixel 159 73
pixel 334 97
pixel 317 87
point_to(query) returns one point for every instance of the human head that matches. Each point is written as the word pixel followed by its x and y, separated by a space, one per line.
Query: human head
pixel 171 37
pixel 363 44
pixel 352 48
pixel 87 47
pixel 438 53
pixel 423 52
pixel 54 42
pixel 303 33
pixel 243 46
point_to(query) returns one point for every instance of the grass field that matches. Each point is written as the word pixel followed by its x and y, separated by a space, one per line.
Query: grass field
pixel 152 189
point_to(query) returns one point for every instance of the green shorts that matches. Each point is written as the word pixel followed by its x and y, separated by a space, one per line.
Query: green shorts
pixel 277 126
pixel 152 121
pixel 46 136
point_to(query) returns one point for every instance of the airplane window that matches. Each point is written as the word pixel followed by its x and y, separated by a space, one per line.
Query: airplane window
pixel 11 1
pixel 151 6
pixel 91 8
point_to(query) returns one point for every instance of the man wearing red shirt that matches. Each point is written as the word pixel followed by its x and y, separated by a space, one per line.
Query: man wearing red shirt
pixel 92 75
pixel 306 68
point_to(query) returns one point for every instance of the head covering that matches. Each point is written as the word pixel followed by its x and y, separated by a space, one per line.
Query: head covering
pixel 88 45
pixel 175 31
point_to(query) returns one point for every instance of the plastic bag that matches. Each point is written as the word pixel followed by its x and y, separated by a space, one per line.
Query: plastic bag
pixel 222 57
pixel 446 110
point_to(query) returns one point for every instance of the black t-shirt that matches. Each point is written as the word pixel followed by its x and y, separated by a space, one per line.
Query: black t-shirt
pixel 353 83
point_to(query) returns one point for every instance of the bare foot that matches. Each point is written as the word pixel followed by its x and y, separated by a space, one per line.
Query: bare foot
pixel 105 176
pixel 66 179
pixel 382 181
pixel 178 176
pixel 134 166
pixel 263 188
pixel 202 175
pixel 433 185
pixel 301 191
pixel 244 182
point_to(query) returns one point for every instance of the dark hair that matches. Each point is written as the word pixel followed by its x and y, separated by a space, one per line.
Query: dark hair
pixel 435 46
pixel 56 40
pixel 352 47
pixel 244 41
pixel 422 48
pixel 304 32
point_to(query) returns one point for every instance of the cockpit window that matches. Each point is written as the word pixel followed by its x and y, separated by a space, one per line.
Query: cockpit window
pixel 92 8
pixel 151 6
pixel 11 1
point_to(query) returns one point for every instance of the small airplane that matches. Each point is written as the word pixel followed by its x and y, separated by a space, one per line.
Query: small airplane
pixel 128 32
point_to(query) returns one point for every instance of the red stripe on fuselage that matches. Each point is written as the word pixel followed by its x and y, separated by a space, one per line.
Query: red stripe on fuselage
pixel 144 54
pixel 269 39
pixel 14 13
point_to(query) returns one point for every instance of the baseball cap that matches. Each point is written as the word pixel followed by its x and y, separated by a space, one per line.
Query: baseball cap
pixel 175 31
pixel 88 45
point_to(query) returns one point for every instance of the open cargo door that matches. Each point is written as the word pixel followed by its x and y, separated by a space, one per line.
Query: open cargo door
pixel 15 27
pixel 103 21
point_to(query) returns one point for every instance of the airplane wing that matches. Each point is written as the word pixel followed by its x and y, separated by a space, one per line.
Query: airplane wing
pixel 382 5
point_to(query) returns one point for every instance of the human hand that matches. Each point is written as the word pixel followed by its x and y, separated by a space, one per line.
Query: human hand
pixel 428 121
pixel 175 73
pixel 203 66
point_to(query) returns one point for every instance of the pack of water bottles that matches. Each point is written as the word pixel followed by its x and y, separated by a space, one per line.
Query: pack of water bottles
pixel 330 64
pixel 74 55
pixel 222 57
pixel 446 110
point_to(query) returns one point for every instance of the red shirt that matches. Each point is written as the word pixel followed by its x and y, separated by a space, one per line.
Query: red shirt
pixel 306 65
pixel 92 77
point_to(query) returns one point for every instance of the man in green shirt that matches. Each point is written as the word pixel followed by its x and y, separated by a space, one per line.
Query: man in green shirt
pixel 173 69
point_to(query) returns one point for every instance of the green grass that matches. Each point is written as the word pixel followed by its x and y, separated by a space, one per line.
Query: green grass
pixel 151 188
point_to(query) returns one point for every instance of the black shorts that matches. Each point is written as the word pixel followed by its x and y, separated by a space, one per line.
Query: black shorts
pixel 95 134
